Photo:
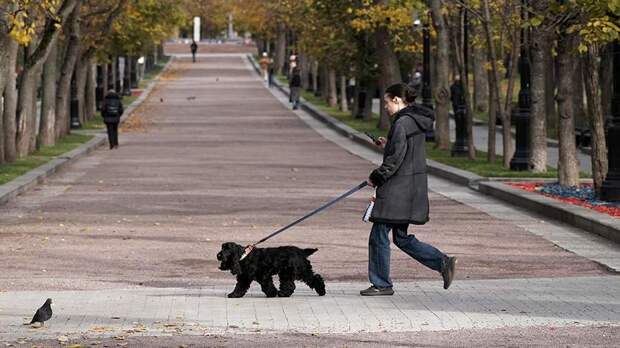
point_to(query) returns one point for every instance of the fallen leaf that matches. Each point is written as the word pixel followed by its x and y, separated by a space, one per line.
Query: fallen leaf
pixel 101 329
pixel 62 339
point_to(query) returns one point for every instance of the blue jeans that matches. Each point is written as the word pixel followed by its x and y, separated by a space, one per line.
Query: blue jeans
pixel 379 252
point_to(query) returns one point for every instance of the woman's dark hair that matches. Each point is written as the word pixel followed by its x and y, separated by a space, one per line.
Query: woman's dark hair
pixel 402 91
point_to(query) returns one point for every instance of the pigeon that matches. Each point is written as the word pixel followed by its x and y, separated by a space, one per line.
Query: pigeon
pixel 44 313
pixel 161 100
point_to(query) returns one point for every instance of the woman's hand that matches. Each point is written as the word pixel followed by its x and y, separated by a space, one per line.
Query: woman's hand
pixel 381 141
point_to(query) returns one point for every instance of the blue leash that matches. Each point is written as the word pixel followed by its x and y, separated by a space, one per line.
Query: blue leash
pixel 249 248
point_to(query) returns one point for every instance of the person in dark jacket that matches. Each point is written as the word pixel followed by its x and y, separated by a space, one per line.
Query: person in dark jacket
pixel 402 193
pixel 111 111
pixel 194 48
pixel 295 87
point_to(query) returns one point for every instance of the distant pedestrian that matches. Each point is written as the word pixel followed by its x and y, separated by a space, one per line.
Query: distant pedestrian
pixel 111 111
pixel 457 93
pixel 295 87
pixel 292 62
pixel 402 193
pixel 416 79
pixel 194 48
pixel 265 63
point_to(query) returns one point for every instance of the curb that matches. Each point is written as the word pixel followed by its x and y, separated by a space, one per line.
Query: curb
pixel 36 176
pixel 583 218
pixel 589 220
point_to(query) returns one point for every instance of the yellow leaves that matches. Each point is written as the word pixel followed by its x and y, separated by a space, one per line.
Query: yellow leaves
pixel 22 29
pixel 27 15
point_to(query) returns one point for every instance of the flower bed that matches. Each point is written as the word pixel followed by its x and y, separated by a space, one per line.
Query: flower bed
pixel 582 195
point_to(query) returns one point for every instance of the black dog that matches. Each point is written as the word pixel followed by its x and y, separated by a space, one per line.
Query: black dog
pixel 288 262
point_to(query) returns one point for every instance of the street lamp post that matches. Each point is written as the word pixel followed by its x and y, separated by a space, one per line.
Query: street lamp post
pixel 610 190
pixel 459 103
pixel 521 114
pixel 74 107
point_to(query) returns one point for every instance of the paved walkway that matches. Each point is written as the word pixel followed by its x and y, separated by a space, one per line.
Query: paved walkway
pixel 421 306
pixel 124 241
pixel 481 142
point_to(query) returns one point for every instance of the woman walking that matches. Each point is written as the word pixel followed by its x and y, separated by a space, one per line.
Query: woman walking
pixel 402 193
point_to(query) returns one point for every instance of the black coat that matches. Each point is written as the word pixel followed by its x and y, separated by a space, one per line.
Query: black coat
pixel 401 181
pixel 295 81
pixel 112 108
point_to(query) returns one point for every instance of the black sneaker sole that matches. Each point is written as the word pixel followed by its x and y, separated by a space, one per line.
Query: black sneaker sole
pixel 451 269
pixel 386 292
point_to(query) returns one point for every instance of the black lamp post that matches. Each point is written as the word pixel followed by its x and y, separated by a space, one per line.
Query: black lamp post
pixel 459 104
pixel 521 114
pixel 75 106
pixel 427 94
pixel 610 190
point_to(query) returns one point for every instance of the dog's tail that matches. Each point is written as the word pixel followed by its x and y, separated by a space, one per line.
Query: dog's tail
pixel 309 251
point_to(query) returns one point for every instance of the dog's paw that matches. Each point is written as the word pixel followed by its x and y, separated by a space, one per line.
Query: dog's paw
pixel 234 295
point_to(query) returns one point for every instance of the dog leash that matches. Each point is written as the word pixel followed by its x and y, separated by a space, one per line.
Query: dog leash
pixel 248 249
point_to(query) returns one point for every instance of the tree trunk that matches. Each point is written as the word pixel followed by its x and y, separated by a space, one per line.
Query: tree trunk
pixel 10 104
pixel 114 70
pixel 491 149
pixel 568 168
pixel 280 49
pixel 303 70
pixel 26 115
pixel 63 93
pixel 591 70
pixel 550 86
pixel 606 75
pixel 34 57
pixel 389 68
pixel 578 108
pixel 344 105
pixel 538 126
pixel 4 58
pixel 495 84
pixel 91 98
pixel 104 78
pixel 48 104
pixel 81 70
pixel 441 82
pixel 332 98
pixel 1 126
pixel 4 74
pixel 323 81
pixel 315 77
pixel 481 85
pixel 370 93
